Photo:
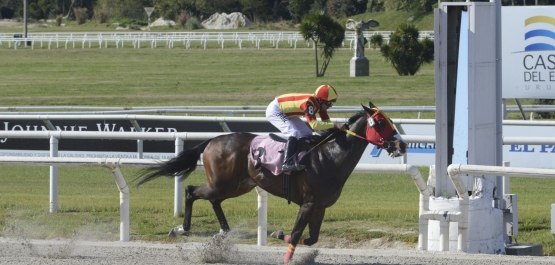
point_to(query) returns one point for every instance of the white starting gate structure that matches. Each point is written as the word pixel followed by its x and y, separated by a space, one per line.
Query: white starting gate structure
pixel 469 213
pixel 468 128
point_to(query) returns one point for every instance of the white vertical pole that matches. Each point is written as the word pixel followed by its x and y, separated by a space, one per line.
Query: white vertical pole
pixel 53 175
pixel 443 235
pixel 178 185
pixel 506 186
pixel 123 204
pixel 140 149
pixel 262 216
pixel 424 205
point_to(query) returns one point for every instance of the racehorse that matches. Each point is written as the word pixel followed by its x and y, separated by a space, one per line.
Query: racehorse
pixel 231 173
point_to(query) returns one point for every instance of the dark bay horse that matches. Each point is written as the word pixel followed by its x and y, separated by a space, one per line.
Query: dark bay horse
pixel 230 172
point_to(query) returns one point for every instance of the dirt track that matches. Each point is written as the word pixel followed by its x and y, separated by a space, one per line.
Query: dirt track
pixel 22 251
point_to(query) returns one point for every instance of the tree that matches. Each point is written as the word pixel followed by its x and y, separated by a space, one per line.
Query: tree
pixel 325 33
pixel 39 9
pixel 256 9
pixel 405 52
pixel 299 8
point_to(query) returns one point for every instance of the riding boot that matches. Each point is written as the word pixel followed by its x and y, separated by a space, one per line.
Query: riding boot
pixel 304 145
pixel 289 161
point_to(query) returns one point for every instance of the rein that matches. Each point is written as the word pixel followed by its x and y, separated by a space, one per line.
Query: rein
pixel 323 140
pixel 354 134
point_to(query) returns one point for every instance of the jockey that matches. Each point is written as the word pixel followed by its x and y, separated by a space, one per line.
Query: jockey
pixel 284 113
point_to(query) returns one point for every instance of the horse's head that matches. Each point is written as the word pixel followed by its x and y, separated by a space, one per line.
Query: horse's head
pixel 381 132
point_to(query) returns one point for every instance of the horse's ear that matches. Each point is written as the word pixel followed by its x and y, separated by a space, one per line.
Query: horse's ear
pixel 368 110
pixel 371 105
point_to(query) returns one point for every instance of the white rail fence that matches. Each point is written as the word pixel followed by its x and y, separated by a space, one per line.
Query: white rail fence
pixel 169 39
pixel 228 110
pixel 114 165
pixel 55 136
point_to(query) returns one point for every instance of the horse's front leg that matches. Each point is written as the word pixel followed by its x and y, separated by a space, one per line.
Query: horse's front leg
pixel 314 226
pixel 303 217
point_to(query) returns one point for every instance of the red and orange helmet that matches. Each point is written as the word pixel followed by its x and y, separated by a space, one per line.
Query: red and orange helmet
pixel 326 93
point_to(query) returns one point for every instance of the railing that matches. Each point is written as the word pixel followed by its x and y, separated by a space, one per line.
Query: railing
pixel 169 39
pixel 114 166
pixel 461 216
pixel 229 110
pixel 54 137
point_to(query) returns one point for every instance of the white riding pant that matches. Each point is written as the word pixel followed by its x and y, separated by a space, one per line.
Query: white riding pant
pixel 290 126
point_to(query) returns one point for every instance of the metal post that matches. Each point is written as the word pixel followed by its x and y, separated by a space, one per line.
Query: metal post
pixel 262 216
pixel 123 204
pixel 140 149
pixel 178 185
pixel 53 176
pixel 24 18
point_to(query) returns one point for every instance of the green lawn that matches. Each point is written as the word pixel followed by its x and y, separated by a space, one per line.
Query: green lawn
pixel 187 77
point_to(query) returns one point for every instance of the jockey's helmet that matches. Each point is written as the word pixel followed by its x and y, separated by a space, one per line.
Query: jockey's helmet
pixel 326 93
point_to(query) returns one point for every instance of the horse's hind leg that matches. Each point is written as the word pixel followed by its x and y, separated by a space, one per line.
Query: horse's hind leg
pixel 193 193
pixel 190 198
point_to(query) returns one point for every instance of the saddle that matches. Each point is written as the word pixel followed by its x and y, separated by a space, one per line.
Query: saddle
pixel 268 152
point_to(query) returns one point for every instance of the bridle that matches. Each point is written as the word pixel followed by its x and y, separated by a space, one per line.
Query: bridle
pixel 385 143
pixel 354 134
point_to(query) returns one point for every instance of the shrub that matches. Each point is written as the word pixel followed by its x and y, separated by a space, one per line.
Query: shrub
pixel 182 18
pixel 80 15
pixel 545 115
pixel 376 41
pixel 405 52
pixel 101 13
pixel 193 23
pixel 59 20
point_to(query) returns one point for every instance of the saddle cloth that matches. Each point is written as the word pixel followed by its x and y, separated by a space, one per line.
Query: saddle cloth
pixel 268 153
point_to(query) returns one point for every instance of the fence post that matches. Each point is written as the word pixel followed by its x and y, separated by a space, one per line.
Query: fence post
pixel 53 175
pixel 123 203
pixel 262 216
pixel 178 186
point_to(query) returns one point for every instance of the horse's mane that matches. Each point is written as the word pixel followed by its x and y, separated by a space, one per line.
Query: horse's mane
pixel 321 135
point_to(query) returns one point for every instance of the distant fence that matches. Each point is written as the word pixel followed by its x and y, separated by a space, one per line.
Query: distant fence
pixel 171 39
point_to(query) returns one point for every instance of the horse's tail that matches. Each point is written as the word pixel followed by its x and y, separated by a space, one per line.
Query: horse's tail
pixel 185 162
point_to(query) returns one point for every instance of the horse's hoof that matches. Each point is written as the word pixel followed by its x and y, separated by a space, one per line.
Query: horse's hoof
pixel 172 233
pixel 176 231
pixel 220 236
pixel 277 234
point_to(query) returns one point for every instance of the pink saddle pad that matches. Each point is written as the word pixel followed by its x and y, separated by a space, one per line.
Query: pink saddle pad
pixel 267 153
